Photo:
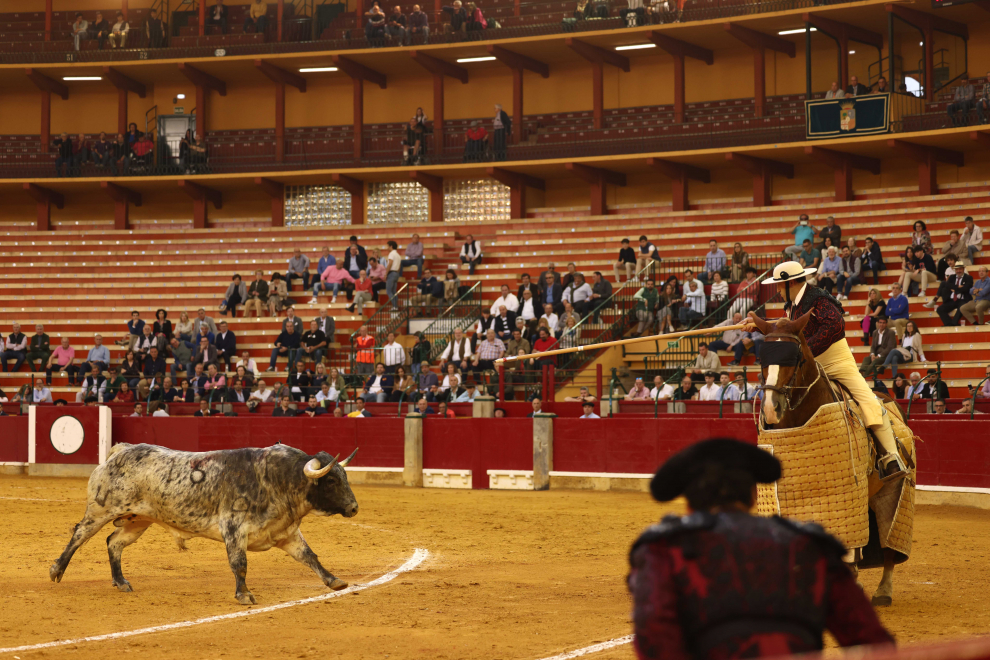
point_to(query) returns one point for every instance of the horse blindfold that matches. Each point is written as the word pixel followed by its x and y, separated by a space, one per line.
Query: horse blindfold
pixel 780 353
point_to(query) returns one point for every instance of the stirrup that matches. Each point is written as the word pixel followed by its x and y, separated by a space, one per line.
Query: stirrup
pixel 891 468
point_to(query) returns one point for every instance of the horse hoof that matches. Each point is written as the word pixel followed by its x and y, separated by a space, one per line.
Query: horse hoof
pixel 124 586
pixel 881 601
pixel 337 584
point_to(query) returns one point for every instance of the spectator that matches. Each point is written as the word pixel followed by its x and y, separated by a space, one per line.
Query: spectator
pixel 921 269
pixel 710 390
pixel 694 304
pixel 94 384
pixel 471 253
pixel 601 293
pixel 647 299
pixel 414 252
pixel 569 314
pixel 953 246
pixel 934 387
pixel 881 87
pixel 80 153
pixel 634 13
pixel 393 354
pixel 489 350
pixel 235 295
pixel 475 20
pixel 365 357
pixel 687 390
pixel 331 279
pixel 204 404
pixel 216 383
pixel 856 89
pixel 152 370
pixel 420 353
pixel 125 394
pixel 217 15
pixel 326 324
pixel 584 396
pixel 568 278
pixel 835 92
pixel 154 30
pixel 225 343
pixel 292 323
pixel 377 275
pixel 404 386
pixel 61 359
pixel 900 386
pixel 278 294
pixel 545 342
pixel 747 293
pixel 875 308
pixel 946 274
pixel 181 357
pixel 363 292
pixel 313 409
pixel 872 260
pixel 146 341
pixel 551 292
pixel 882 343
pixel 666 302
pixel 257 17
pixel 284 409
pixel 549 317
pixel 16 348
pixel 980 292
pixel 64 155
pixel 80 30
pixel 966 408
pixel 638 392
pixel 395 26
pixel 167 393
pixel 958 295
pixel 849 275
pixel 298 267
pixel 537 404
pixel 100 30
pixel 120 155
pixel 476 143
pixel 648 254
pixel 732 340
pixel 327 393
pixel 430 291
pixel 118 32
pixel 963 100
pixel 830 270
pixel 374 29
pixel 257 295
pixel 142 153
pixel 423 407
pixel 707 361
pixel 393 269
pixel 916 387
pixel 984 392
pixel 550 270
pixel 39 348
pixel 501 130
pixel 662 391
pixel 103 152
pixel 809 257
pixel 206 354
pixel 379 385
pixel 921 237
pixel 162 327
pixel 972 237
pixel 803 231
pixel 715 261
pixel 719 291
pixel 419 25
pixel 588 408
pixel 518 343
pixel 626 260
pixel 831 231
pixel 910 350
pixel 504 324
pixel 983 103
pixel 412 145
pixel 579 294
pixel 40 393
pixel 98 356
pixel 286 344
pixel 740 262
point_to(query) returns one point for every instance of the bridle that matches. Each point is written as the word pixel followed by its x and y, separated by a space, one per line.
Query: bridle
pixel 786 390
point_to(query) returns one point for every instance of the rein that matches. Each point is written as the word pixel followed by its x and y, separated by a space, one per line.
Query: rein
pixel 787 389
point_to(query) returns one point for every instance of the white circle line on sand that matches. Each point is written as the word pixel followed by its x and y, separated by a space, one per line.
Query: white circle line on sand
pixel 419 556
pixel 594 648
pixel 33 499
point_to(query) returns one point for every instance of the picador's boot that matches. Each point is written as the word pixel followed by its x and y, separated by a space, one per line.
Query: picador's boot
pixel 889 463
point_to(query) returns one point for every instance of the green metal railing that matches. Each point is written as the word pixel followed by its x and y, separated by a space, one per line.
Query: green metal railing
pixel 462 314
pixel 976 391
pixel 938 381
pixel 387 318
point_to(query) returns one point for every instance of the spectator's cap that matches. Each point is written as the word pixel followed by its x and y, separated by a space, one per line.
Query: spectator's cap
pixel 681 469
pixel 711 374
pixel 424 363
pixel 960 266
pixel 787 271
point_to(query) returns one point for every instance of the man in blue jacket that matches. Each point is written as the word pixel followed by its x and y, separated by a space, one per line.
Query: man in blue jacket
pixel 379 385
pixel 897 309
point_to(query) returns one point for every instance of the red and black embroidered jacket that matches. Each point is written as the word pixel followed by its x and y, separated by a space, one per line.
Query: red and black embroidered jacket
pixel 826 325
pixel 732 585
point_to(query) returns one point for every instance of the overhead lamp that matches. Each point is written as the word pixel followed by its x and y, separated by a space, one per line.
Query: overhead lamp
pixel 852 52
pixel 799 31
pixel 635 46
pixel 79 78
pixel 319 69
pixel 465 60
pixel 180 96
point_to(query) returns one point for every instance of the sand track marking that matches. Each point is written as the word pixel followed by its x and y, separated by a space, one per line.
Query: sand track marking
pixel 588 650
pixel 419 556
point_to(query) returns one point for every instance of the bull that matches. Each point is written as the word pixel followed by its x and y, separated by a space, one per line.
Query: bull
pixel 249 499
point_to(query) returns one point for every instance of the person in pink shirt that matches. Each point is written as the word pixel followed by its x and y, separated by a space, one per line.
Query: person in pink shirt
pixel 377 274
pixel 61 360
pixel 332 277
pixel 215 381
pixel 362 292
pixel 639 391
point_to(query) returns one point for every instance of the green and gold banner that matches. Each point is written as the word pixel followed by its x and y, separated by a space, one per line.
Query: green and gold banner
pixel 859 115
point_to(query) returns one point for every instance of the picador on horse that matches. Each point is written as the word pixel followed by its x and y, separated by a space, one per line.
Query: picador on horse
pixel 826 337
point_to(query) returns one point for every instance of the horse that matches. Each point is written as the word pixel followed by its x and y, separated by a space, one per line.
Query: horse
pixel 795 388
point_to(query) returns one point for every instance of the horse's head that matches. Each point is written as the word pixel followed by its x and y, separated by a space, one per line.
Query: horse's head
pixel 784 354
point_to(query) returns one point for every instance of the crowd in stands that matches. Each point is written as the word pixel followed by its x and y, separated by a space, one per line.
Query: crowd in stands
pixel 857 88
pixel 128 153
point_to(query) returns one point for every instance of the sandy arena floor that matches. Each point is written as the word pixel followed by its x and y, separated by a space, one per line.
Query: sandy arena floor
pixel 511 575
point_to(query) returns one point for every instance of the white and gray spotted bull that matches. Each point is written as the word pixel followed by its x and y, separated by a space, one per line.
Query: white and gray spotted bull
pixel 248 499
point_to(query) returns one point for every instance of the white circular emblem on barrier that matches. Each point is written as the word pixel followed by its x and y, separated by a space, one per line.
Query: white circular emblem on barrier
pixel 67 435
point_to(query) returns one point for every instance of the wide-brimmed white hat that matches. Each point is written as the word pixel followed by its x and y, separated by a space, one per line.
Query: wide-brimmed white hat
pixel 787 271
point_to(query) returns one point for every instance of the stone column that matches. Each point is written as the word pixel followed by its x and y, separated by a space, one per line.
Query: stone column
pixel 484 406
pixel 412 470
pixel 542 450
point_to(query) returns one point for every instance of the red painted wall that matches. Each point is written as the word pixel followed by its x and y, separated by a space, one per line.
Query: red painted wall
pixel 14 439
pixel 478 445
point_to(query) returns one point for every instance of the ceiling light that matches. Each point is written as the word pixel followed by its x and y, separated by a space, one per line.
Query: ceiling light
pixel 76 78
pixel 852 52
pixel 635 46
pixel 476 59
pixel 319 69
pixel 180 96
pixel 801 31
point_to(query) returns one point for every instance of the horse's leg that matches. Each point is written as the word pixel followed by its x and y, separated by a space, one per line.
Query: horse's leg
pixel 884 594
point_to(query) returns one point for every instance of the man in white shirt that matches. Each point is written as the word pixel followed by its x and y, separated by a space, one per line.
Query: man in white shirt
pixel 694 303
pixel 457 351
pixel 375 384
pixel 471 253
pixel 160 412
pixel 709 391
pixel 508 299
pixel 550 317
pixel 589 411
pixel 661 390
pixel 972 237
pixel 249 364
pixel 914 391
pixel 41 394
pixel 467 396
pixel 578 292
pixel 393 268
pixel 744 391
pixel 327 393
pixel 393 353
pixel 527 307
pixel 262 394
pixel 137 411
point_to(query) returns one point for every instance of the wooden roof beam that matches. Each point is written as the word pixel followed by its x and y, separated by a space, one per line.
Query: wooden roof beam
pixel 359 71
pixel 350 184
pixel 46 84
pixel 120 81
pixel 200 193
pixel 841 30
pixel 676 170
pixel 927 22
pixel 120 193
pixel 597 55
pixel 43 195
pixel 279 75
pixel 203 79
pixel 838 159
pixel 510 178
pixel 439 67
pixel 755 39
pixel 271 187
pixel 595 175
pixel 759 166
pixel 432 183
pixel 681 48
pixel 516 61
pixel 920 153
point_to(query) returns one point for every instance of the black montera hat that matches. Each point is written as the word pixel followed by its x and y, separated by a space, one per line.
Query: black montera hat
pixel 674 476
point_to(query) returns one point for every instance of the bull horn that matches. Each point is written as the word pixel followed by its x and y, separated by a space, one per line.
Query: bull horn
pixel 313 470
pixel 347 460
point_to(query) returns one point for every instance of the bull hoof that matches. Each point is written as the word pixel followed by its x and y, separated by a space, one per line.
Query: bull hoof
pixel 245 598
pixel 881 601
pixel 337 584
pixel 55 573
pixel 124 586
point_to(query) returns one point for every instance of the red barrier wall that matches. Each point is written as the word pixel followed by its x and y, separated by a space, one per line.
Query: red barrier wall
pixel 381 440
pixel 478 445
pixel 14 439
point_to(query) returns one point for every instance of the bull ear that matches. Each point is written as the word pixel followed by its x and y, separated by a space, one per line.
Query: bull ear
pixel 347 460
pixel 800 322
